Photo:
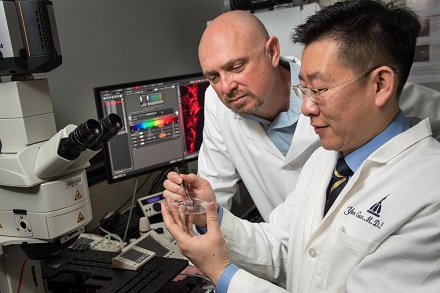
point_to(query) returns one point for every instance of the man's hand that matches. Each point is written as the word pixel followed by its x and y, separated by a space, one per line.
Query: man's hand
pixel 208 252
pixel 196 186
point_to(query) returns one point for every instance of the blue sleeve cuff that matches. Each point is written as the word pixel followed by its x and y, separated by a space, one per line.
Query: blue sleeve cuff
pixel 225 278
pixel 202 230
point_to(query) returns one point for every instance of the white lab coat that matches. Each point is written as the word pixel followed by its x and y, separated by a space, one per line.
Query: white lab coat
pixel 396 248
pixel 234 146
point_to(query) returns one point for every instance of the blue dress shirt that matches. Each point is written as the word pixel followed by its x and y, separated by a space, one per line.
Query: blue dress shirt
pixel 281 130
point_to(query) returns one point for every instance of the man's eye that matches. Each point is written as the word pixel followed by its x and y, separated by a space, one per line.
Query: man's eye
pixel 318 91
pixel 213 79
pixel 238 67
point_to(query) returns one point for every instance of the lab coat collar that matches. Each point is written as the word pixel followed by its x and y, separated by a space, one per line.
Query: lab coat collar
pixel 256 133
pixel 304 142
pixel 304 139
pixel 383 155
pixel 401 142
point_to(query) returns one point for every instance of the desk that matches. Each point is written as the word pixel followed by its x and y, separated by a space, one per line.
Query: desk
pixel 92 271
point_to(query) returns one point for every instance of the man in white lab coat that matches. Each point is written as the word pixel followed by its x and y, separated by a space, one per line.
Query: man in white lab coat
pixel 381 233
pixel 254 130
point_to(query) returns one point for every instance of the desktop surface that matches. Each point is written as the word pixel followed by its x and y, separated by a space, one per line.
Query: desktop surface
pixel 92 271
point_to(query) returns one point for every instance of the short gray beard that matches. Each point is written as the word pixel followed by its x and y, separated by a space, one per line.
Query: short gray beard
pixel 239 109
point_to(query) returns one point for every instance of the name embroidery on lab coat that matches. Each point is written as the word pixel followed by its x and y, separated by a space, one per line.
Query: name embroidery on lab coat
pixel 372 218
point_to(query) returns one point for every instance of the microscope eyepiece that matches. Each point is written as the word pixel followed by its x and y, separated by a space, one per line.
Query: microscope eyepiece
pixel 110 126
pixel 85 134
pixel 82 138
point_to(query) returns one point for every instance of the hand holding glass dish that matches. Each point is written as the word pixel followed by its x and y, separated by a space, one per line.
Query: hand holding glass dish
pixel 189 204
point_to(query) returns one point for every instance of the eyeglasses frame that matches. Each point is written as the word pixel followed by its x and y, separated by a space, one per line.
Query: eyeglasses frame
pixel 312 94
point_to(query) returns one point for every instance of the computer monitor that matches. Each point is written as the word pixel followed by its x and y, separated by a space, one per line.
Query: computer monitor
pixel 163 124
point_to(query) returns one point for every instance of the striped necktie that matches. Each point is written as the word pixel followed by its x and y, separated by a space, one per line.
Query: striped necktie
pixel 339 179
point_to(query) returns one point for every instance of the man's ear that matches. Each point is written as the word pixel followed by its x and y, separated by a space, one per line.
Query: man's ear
pixel 273 49
pixel 385 80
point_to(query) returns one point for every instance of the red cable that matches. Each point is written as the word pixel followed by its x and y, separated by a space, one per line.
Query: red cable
pixel 21 275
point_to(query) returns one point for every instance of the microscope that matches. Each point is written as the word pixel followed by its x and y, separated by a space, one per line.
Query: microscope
pixel 44 197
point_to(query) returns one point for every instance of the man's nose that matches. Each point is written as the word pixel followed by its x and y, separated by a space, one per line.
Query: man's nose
pixel 308 107
pixel 228 84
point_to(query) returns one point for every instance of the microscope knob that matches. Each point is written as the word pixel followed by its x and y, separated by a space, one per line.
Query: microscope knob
pixel 156 206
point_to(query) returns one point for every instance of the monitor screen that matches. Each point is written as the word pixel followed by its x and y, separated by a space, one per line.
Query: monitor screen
pixel 163 123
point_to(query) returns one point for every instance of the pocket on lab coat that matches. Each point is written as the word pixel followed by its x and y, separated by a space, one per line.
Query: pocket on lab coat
pixel 341 254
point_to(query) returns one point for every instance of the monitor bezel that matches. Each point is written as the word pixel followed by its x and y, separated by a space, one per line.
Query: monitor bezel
pixel 106 152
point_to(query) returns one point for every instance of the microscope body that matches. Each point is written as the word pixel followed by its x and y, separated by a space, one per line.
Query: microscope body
pixel 45 198
pixel 43 195
pixel 43 183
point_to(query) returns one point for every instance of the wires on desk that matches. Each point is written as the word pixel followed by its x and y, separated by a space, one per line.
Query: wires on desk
pixel 131 210
pixel 88 241
pixel 155 184
pixel 109 235
pixel 20 282
pixel 121 221
pixel 159 179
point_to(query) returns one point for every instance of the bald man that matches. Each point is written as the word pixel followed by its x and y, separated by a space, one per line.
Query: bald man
pixel 254 130
pixel 251 113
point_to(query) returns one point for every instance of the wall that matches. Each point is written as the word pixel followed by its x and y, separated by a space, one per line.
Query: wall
pixel 112 41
